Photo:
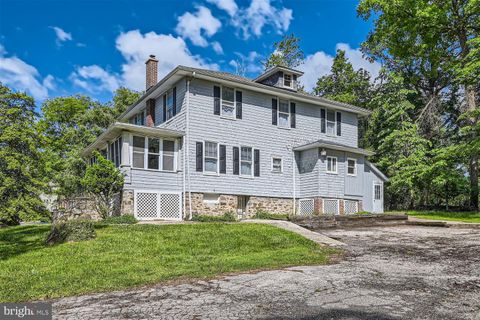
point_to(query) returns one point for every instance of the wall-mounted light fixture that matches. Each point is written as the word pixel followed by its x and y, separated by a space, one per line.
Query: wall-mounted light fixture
pixel 323 152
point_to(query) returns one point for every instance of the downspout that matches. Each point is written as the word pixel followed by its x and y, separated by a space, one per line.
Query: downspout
pixel 188 148
pixel 294 182
pixel 184 158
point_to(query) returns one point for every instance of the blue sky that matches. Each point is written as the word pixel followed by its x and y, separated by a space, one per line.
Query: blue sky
pixel 52 48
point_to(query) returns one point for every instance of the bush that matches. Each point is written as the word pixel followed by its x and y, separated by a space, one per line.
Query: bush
pixel 226 217
pixel 125 219
pixel 71 231
pixel 260 214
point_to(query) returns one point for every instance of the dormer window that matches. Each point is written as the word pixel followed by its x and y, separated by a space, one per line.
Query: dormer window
pixel 287 80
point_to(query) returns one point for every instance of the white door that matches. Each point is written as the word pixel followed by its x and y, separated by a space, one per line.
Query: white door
pixel 377 197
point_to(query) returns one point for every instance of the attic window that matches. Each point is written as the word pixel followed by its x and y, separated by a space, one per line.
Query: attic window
pixel 287 80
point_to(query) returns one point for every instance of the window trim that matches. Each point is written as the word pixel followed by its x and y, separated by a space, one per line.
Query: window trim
pixel 334 123
pixel 278 114
pixel 380 185
pixel 336 165
pixel 234 112
pixel 209 173
pixel 168 92
pixel 160 155
pixel 252 162
pixel 281 164
pixel 354 174
pixel 291 80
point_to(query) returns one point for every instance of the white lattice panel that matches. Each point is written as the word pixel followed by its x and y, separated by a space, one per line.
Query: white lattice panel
pixel 306 207
pixel 170 206
pixel 330 206
pixel 350 206
pixel 146 205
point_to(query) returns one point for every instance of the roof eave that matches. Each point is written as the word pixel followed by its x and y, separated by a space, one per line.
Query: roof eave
pixel 334 147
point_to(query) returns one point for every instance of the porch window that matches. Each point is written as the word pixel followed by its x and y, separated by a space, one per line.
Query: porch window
pixel 138 152
pixel 283 114
pixel 228 102
pixel 352 167
pixel 153 153
pixel 210 159
pixel 246 158
pixel 331 122
pixel 168 157
pixel 332 165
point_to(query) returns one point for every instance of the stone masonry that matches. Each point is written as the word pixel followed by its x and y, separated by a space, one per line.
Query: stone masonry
pixel 126 207
pixel 226 203
pixel 271 205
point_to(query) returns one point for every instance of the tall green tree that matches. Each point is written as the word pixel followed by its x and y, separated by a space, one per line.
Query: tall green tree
pixel 287 53
pixel 21 161
pixel 122 99
pixel 430 43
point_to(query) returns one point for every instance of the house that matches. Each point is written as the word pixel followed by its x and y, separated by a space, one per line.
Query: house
pixel 208 142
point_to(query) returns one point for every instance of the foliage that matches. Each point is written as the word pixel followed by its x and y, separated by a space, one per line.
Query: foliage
pixel 102 181
pixel 113 260
pixel 21 161
pixel 261 214
pixel 461 216
pixel 226 217
pixel 123 219
pixel 122 99
pixel 287 53
pixel 71 231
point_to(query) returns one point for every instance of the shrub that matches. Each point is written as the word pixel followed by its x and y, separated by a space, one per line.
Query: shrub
pixel 261 214
pixel 226 217
pixel 125 219
pixel 72 230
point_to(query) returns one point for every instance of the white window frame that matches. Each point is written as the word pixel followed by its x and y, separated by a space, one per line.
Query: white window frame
pixel 234 113
pixel 291 80
pixel 279 112
pixel 252 162
pixel 160 164
pixel 281 164
pixel 218 158
pixel 336 165
pixel 334 134
pixel 354 167
pixel 211 201
pixel 375 183
pixel 160 155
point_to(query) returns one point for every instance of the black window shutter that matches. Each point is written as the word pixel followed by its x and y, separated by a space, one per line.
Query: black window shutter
pixel 256 163
pixel 216 100
pixel 223 158
pixel 322 121
pixel 239 104
pixel 236 161
pixel 164 107
pixel 339 123
pixel 199 156
pixel 292 115
pixel 274 111
pixel 174 101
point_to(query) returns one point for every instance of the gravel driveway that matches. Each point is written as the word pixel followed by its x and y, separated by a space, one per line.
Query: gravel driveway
pixel 401 272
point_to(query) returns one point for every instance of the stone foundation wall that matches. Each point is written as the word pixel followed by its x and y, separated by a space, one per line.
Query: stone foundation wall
pixel 271 205
pixel 226 203
pixel 126 205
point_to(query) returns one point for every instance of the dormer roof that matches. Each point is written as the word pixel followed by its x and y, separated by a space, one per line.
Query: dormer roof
pixel 276 69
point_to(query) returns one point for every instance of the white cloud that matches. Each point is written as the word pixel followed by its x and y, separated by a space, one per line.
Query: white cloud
pixel 217 47
pixel 19 75
pixel 135 48
pixel 227 5
pixel 198 25
pixel 62 35
pixel 94 79
pixel 319 64
pixel 250 63
pixel 261 13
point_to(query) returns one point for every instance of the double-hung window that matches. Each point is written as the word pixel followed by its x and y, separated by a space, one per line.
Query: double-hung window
pixel 169 101
pixel 377 190
pixel 138 152
pixel 277 165
pixel 168 157
pixel 287 80
pixel 210 159
pixel 332 165
pixel 331 122
pixel 228 102
pixel 351 167
pixel 138 119
pixel 153 153
pixel 246 160
pixel 283 114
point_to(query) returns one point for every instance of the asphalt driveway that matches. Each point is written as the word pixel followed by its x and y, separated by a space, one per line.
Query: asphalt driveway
pixel 401 272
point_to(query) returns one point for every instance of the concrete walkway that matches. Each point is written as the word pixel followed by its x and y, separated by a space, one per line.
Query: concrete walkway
pixel 446 223
pixel 290 226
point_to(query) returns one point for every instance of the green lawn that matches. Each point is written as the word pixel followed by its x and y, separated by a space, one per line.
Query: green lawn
pixel 132 255
pixel 472 217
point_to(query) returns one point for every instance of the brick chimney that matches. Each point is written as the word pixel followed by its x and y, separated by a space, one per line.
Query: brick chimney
pixel 151 72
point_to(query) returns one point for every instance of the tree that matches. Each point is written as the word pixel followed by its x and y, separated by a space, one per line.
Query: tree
pixel 431 44
pixel 21 162
pixel 287 53
pixel 344 84
pixel 122 99
pixel 103 181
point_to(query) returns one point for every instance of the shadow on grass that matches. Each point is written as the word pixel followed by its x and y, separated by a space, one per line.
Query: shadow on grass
pixel 17 240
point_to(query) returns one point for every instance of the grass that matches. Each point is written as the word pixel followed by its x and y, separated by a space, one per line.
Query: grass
pixel 270 216
pixel 124 256
pixel 464 216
